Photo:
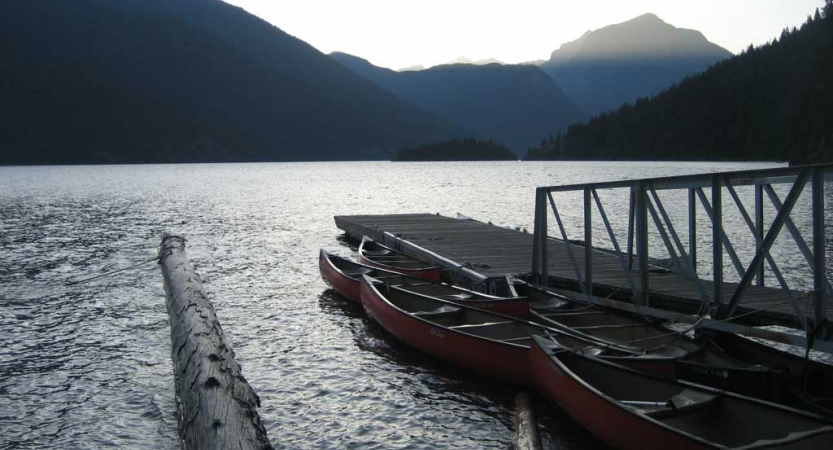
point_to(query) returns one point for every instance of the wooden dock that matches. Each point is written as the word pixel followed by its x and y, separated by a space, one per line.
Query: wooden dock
pixel 485 253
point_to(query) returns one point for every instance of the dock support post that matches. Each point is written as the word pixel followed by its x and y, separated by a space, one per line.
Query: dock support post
pixel 819 269
pixel 526 429
pixel 217 407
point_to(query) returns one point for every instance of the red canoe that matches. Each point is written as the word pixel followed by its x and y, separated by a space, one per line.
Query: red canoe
pixel 344 276
pixel 491 344
pixel 630 410
pixel 377 255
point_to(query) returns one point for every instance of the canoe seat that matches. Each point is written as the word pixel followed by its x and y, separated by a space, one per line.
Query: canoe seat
pixel 686 402
pixel 669 351
pixel 443 311
pixel 357 272
pixel 551 304
pixel 456 297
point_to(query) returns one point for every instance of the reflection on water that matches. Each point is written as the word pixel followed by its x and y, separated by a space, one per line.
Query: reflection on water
pixel 89 365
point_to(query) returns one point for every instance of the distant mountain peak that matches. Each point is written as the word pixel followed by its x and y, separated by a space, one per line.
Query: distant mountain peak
pixel 415 68
pixel 647 17
pixel 643 36
pixel 479 62
pixel 621 62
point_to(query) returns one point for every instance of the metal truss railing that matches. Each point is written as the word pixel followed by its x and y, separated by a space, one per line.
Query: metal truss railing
pixel 709 190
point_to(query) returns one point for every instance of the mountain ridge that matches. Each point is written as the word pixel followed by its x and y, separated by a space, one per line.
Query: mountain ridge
pixel 485 99
pixel 91 81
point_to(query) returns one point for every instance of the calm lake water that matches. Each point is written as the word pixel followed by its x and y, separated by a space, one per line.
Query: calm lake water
pixel 88 366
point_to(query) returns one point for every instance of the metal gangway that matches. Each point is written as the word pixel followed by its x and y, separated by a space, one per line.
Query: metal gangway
pixel 604 270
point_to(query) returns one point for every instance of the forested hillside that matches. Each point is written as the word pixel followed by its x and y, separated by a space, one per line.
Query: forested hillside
pixel 99 81
pixel 467 149
pixel 772 102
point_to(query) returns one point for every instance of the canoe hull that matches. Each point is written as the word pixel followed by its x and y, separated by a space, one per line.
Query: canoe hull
pixel 349 288
pixel 505 361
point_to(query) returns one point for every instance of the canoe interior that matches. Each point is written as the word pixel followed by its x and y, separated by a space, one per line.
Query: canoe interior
pixel 447 292
pixel 717 417
pixel 810 381
pixel 694 363
pixel 355 271
pixel 473 321
pixel 380 254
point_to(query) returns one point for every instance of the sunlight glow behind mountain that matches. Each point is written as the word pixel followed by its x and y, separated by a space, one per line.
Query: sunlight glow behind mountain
pixel 430 32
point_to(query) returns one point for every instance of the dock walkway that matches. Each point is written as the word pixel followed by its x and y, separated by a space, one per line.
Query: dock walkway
pixel 489 252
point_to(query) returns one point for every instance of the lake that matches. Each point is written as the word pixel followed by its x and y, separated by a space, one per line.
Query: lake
pixel 88 366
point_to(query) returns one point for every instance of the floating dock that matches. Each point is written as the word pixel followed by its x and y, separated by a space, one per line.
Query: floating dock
pixel 486 254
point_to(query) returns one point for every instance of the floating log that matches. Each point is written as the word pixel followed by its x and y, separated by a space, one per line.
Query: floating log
pixel 217 407
pixel 526 429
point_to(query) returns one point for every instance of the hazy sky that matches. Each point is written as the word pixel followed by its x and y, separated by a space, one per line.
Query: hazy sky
pixel 397 34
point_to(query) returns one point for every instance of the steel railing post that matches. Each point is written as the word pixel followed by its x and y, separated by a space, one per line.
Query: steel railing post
pixel 759 228
pixel 642 241
pixel 717 241
pixel 539 246
pixel 819 269
pixel 692 230
pixel 588 242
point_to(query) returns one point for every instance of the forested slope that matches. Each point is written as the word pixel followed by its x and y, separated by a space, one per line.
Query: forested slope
pixel 772 102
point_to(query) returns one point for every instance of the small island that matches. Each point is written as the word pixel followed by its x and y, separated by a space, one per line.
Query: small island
pixel 466 149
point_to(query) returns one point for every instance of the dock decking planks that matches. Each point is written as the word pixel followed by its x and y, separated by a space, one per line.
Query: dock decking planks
pixel 495 252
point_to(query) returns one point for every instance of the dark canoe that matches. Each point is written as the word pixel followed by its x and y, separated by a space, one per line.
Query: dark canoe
pixel 684 357
pixel 809 382
pixel 631 410
pixel 491 344
pixel 345 276
pixel 377 255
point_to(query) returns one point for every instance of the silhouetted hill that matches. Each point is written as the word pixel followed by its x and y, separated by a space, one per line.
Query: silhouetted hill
pixel 772 102
pixel 514 105
pixel 468 149
pixel 91 81
pixel 619 63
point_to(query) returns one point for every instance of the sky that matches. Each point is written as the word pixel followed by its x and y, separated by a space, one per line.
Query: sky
pixel 397 34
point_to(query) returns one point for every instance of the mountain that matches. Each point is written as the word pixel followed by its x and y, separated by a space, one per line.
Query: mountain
pixel 771 102
pixel 620 63
pixel 479 62
pixel 514 105
pixel 99 81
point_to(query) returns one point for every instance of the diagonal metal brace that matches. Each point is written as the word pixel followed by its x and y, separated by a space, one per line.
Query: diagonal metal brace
pixel 769 239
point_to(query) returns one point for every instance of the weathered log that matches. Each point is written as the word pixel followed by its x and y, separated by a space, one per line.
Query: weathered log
pixel 526 429
pixel 217 407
